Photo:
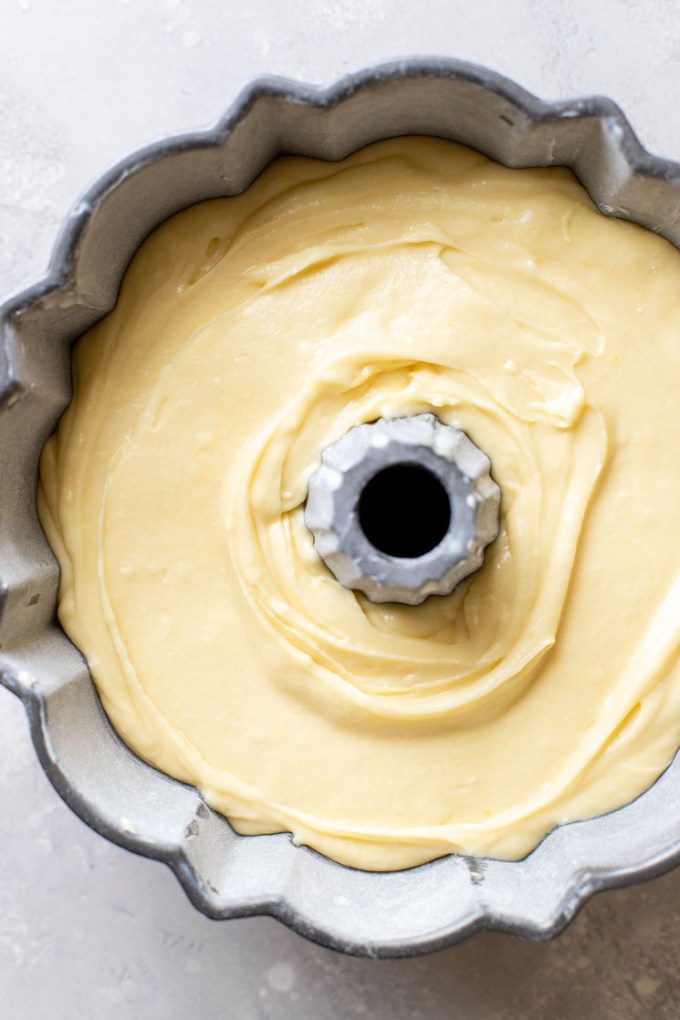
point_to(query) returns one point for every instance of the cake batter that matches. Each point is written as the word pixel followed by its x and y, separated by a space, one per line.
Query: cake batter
pixel 251 333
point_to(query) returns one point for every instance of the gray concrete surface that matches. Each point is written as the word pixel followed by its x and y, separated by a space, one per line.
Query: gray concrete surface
pixel 87 930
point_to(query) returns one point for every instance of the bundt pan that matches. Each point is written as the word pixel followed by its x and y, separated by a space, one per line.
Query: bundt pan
pixel 129 802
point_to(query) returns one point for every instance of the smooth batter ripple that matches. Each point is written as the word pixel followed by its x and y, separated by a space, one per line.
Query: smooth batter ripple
pixel 251 333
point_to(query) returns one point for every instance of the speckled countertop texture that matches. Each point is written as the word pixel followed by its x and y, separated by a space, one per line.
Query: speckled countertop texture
pixel 86 929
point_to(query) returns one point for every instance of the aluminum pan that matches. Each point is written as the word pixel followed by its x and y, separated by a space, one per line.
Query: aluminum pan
pixel 225 875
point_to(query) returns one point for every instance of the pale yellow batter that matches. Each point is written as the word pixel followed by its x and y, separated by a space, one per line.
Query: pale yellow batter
pixel 251 333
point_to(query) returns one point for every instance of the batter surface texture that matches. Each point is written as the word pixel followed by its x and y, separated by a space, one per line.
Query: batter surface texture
pixel 251 333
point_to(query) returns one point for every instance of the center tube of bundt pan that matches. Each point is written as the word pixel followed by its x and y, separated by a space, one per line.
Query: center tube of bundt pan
pixel 403 508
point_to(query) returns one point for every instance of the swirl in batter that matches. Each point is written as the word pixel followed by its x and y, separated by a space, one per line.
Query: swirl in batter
pixel 252 332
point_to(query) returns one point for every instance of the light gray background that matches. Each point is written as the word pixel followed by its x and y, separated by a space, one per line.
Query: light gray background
pixel 86 929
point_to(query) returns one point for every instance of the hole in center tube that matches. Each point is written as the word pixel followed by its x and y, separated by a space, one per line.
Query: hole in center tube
pixel 404 511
